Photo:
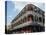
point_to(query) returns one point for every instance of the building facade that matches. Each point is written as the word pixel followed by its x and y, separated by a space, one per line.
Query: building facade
pixel 30 19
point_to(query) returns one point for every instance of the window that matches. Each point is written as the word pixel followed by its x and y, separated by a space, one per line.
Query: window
pixel 43 20
pixel 24 19
pixel 38 11
pixel 36 18
pixel 21 21
pixel 30 17
pixel 30 8
pixel 35 9
pixel 40 19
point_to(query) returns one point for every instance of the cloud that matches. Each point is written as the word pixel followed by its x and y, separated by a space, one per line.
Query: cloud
pixel 19 5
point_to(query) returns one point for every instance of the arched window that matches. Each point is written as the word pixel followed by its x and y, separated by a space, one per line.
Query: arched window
pixel 40 19
pixel 36 18
pixel 30 17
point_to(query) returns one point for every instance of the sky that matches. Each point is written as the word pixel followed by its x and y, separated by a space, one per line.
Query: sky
pixel 14 7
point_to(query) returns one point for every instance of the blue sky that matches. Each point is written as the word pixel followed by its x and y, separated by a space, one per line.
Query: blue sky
pixel 13 8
